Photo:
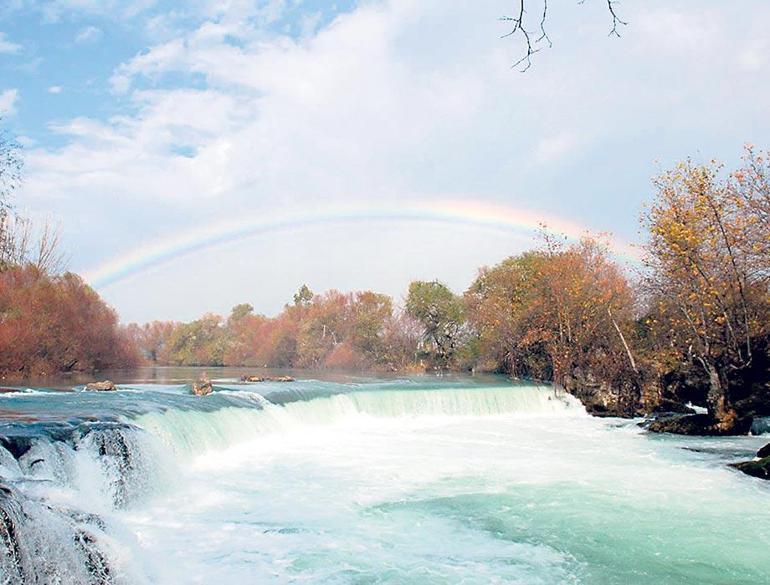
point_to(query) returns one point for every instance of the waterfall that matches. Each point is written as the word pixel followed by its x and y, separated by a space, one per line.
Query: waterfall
pixel 61 480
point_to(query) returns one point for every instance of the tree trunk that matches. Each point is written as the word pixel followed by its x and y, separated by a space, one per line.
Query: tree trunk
pixel 716 395
pixel 719 405
pixel 623 340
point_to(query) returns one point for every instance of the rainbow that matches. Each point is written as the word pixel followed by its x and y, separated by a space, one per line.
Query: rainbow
pixel 452 212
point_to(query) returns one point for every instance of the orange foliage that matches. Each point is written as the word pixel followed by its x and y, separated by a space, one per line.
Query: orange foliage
pixel 50 324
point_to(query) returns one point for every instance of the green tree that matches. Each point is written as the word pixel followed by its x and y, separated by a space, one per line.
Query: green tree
pixel 441 314
pixel 239 312
pixel 370 313
pixel 198 343
pixel 303 297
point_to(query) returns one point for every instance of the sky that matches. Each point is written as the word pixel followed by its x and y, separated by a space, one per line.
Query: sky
pixel 205 153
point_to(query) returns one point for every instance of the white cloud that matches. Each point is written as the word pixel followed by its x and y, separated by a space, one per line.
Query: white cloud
pixel 8 99
pixel 55 89
pixel 89 34
pixel 396 101
pixel 7 47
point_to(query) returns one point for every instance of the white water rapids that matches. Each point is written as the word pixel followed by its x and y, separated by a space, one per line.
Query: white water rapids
pixel 408 482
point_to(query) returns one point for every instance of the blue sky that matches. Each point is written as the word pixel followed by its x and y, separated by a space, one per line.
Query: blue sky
pixel 147 120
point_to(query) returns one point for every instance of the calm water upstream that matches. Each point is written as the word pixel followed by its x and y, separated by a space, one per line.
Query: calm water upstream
pixel 419 481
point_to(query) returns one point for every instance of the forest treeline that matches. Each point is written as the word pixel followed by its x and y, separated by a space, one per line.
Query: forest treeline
pixel 691 325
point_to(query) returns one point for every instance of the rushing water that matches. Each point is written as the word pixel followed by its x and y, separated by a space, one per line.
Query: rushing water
pixel 379 481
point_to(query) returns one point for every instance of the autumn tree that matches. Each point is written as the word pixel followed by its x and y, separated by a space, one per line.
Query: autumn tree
pixel 500 304
pixel 49 321
pixel 562 313
pixel 705 281
pixel 749 190
pixel 323 327
pixel 369 314
pixel 51 324
pixel 153 340
pixel 401 336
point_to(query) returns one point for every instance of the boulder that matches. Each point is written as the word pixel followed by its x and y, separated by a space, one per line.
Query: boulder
pixel 105 386
pixel 202 386
pixel 764 452
pixel 700 424
pixel 758 468
pixel 255 379
pixel 669 406
pixel 604 399
pixel 252 379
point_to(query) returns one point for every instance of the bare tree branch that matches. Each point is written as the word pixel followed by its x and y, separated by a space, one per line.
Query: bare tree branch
pixel 48 256
pixel 533 46
pixel 11 165
pixel 518 27
pixel 615 20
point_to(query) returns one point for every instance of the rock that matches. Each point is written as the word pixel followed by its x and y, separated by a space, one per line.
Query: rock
pixel 759 468
pixel 669 406
pixel 700 424
pixel 202 386
pixel 252 379
pixel 603 399
pixel 255 379
pixel 105 386
pixel 755 406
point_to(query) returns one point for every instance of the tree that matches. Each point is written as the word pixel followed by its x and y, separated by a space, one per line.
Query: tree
pixel 198 343
pixel 11 165
pixel 441 314
pixel 499 305
pixel 50 324
pixel 303 296
pixel 153 340
pixel 750 192
pixel 10 178
pixel 240 312
pixel 563 314
pixel 370 313
pixel 19 244
pixel 709 298
pixel 323 325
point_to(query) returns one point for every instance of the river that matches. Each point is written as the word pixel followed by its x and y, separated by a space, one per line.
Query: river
pixel 355 480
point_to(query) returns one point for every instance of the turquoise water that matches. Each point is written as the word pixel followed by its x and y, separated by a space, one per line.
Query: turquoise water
pixel 415 481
